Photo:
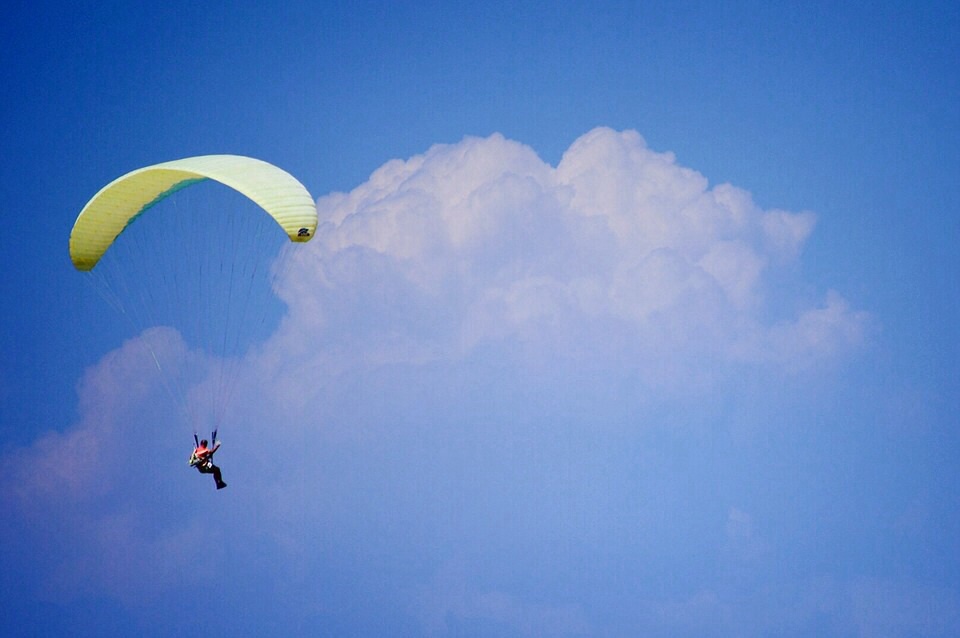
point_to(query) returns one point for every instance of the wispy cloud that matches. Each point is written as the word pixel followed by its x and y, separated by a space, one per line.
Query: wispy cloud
pixel 449 605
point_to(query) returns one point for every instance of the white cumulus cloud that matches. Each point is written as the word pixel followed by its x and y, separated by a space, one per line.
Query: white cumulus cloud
pixel 413 318
pixel 481 242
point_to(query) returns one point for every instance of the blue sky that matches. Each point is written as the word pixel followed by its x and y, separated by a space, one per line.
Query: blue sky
pixel 622 319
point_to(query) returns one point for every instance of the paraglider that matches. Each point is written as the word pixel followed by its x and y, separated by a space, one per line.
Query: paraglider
pixel 195 267
pixel 124 199
pixel 202 459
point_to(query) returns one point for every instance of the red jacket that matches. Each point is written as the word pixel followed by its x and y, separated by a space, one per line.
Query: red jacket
pixel 202 456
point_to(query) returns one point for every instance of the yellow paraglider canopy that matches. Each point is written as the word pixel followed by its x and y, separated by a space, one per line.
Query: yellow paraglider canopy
pixel 119 203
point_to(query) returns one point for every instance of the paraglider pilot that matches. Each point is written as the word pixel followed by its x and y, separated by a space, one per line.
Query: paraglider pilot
pixel 202 459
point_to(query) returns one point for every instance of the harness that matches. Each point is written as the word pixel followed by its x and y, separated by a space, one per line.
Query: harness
pixel 203 463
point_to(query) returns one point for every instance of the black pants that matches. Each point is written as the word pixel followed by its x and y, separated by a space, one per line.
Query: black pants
pixel 210 468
